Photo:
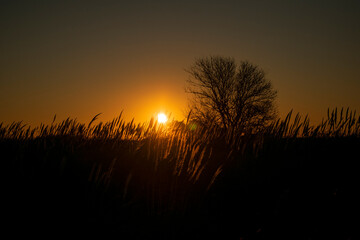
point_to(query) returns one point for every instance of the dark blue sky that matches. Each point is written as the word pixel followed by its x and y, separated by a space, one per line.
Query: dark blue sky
pixel 79 58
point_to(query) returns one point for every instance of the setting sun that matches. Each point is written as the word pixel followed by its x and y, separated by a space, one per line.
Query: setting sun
pixel 162 118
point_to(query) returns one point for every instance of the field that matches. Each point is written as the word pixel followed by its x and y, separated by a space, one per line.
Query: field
pixel 176 181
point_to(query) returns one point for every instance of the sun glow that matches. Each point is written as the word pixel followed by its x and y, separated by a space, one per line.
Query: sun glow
pixel 162 118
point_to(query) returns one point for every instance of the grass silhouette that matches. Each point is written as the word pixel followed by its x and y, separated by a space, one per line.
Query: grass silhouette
pixel 172 180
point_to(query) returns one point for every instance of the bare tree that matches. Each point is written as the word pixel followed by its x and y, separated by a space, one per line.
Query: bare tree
pixel 236 97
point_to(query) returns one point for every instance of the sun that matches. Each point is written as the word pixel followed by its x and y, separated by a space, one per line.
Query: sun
pixel 162 118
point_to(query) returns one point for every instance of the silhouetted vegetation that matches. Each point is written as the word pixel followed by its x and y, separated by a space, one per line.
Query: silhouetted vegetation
pixel 290 181
pixel 236 97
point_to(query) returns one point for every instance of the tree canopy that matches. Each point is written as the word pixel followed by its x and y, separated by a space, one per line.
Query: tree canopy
pixel 233 96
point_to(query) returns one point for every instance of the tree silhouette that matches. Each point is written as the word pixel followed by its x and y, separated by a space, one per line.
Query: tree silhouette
pixel 235 97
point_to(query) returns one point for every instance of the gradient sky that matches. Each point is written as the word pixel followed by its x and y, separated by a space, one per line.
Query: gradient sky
pixel 79 58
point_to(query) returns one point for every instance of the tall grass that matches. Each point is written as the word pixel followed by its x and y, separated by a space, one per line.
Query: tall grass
pixel 165 167
pixel 163 164
pixel 339 123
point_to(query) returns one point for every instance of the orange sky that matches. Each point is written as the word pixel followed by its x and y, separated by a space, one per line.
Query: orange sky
pixel 79 59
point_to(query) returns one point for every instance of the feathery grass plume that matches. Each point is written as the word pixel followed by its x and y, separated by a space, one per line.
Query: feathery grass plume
pixel 93 119
pixel 216 174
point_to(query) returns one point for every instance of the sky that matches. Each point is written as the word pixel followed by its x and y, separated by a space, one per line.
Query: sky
pixel 80 58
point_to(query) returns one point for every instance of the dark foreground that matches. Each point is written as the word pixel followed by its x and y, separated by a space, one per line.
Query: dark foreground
pixel 288 189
